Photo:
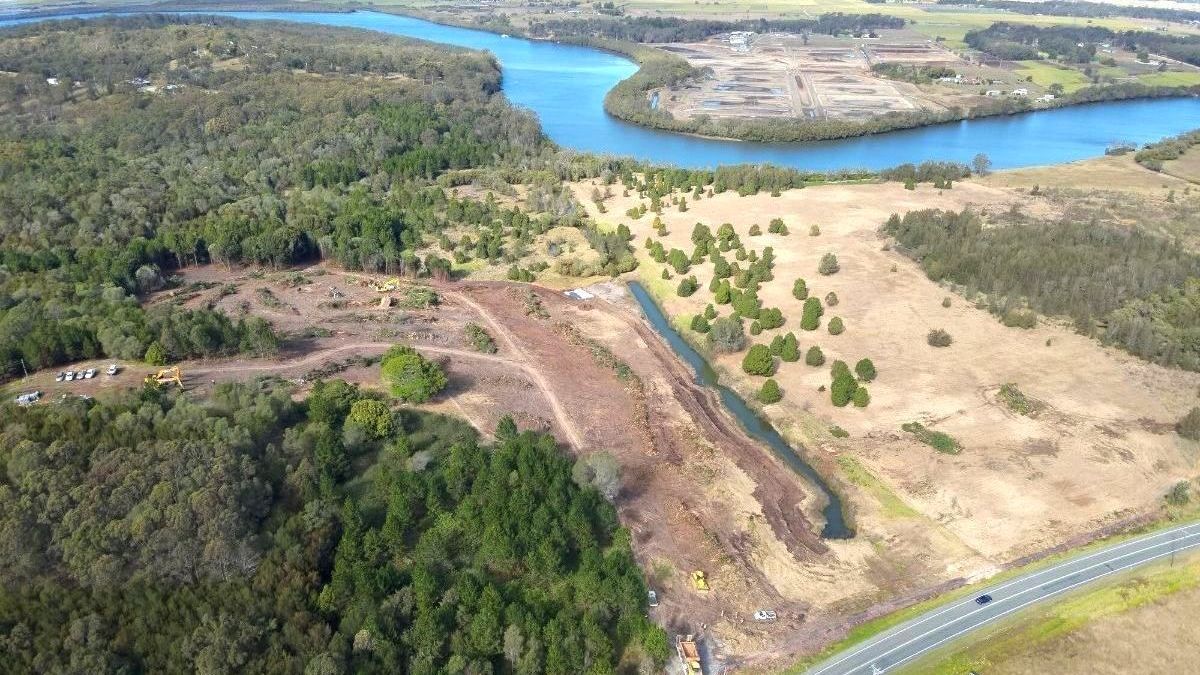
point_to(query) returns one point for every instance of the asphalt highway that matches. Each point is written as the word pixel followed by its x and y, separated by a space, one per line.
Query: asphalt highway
pixel 904 643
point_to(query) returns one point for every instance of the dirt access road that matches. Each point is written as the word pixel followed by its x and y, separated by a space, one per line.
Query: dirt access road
pixel 696 493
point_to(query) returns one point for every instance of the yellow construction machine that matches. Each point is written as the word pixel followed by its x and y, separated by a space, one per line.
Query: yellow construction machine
pixel 165 375
pixel 699 581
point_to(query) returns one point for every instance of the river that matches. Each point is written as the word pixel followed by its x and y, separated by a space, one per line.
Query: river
pixel 565 86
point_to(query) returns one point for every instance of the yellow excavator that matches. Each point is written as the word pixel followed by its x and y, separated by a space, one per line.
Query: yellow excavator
pixel 165 375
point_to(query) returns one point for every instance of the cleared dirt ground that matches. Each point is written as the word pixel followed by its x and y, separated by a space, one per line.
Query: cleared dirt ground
pixel 696 493
pixel 1101 452
pixel 785 75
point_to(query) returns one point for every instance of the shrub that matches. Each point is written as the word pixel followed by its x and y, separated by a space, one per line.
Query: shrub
pixel 479 338
pixel 770 318
pixel 758 361
pixel 679 261
pixel 747 304
pixel 1189 426
pixel 789 351
pixel 722 295
pixel 799 289
pixel 828 265
pixel 814 231
pixel 836 327
pixel 687 286
pixel 727 335
pixel 755 328
pixel 844 385
pixel 1019 318
pixel 939 338
pixel 410 377
pixel 700 324
pixel 1016 400
pixel 777 227
pixel 865 370
pixel 710 312
pixel 811 319
pixel 770 392
pixel 946 301
pixel 815 357
pixel 666 274
pixel 861 398
pixel 755 230
pixel 1180 493
pixel 935 439
pixel 831 299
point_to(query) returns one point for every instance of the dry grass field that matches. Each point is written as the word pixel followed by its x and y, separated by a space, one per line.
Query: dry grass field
pixel 1098 451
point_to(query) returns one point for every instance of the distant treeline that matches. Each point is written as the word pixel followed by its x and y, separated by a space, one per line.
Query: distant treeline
pixel 643 29
pixel 1077 44
pixel 1079 8
pixel 1128 288
pixel 915 73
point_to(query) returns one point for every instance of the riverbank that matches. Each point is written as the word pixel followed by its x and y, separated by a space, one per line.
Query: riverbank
pixel 569 101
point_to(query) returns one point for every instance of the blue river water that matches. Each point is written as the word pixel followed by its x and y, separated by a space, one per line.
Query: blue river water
pixel 565 86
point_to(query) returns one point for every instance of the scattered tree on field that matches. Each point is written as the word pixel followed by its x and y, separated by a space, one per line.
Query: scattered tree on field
pixel 828 265
pixel 727 335
pixel 836 327
pixel 758 361
pixel 410 377
pixel 865 370
pixel 770 392
pixel 814 357
pixel 811 318
pixel 799 289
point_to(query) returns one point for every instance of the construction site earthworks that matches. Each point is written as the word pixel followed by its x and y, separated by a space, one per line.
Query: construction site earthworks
pixel 784 75
pixel 696 493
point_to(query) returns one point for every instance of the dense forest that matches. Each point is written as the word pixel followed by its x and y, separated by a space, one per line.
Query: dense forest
pixel 133 146
pixel 257 534
pixel 1081 8
pixel 1077 44
pixel 1130 289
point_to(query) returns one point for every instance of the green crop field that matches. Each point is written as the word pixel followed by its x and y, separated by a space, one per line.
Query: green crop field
pixel 1045 74
pixel 1171 79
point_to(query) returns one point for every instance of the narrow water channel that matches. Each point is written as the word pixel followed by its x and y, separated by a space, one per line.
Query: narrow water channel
pixel 758 428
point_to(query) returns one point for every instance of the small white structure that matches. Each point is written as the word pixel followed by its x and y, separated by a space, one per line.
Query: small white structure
pixel 52 81
pixel 1045 98
pixel 994 93
pixel 1020 92
pixel 579 294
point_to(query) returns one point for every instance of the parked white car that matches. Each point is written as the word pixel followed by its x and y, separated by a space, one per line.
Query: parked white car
pixel 89 373
pixel 764 615
pixel 112 369
pixel 69 376
pixel 60 376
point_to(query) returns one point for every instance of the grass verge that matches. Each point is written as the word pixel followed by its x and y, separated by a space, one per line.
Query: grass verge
pixel 1025 632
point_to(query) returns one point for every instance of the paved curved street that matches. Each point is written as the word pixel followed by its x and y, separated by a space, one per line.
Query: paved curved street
pixel 904 643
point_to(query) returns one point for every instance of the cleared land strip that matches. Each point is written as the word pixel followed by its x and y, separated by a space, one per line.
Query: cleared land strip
pixel 939 626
